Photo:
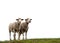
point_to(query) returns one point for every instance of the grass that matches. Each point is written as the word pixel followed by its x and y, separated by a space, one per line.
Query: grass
pixel 47 40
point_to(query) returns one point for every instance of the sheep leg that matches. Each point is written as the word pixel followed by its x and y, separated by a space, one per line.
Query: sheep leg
pixel 25 35
pixel 10 35
pixel 19 36
pixel 14 35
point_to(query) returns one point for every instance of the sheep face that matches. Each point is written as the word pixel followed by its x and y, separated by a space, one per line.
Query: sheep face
pixel 19 20
pixel 28 20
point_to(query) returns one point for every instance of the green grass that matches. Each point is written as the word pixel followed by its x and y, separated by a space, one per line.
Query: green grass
pixel 47 40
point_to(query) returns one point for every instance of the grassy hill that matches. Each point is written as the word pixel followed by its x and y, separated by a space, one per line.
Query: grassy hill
pixel 48 40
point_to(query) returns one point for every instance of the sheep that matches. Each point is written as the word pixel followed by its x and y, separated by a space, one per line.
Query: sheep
pixel 14 27
pixel 23 28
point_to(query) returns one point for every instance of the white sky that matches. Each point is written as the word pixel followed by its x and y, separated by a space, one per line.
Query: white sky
pixel 45 16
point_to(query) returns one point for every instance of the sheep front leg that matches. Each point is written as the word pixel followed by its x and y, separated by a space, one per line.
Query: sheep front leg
pixel 25 35
pixel 14 35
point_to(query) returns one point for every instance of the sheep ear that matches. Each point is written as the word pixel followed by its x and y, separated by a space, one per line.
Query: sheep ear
pixel 17 19
pixel 30 19
pixel 22 19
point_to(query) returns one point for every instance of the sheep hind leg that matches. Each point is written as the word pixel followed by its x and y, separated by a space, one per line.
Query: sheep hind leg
pixel 23 36
pixel 14 35
pixel 19 35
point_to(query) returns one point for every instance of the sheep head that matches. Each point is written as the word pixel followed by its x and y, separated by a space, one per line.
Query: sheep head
pixel 19 20
pixel 28 20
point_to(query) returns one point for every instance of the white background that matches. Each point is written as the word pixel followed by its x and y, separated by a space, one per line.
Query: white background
pixel 45 16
